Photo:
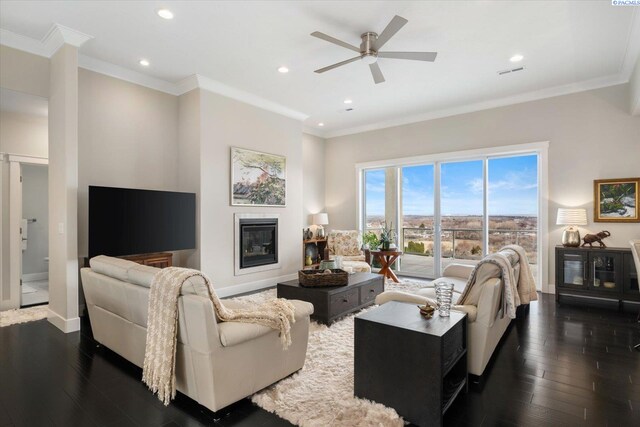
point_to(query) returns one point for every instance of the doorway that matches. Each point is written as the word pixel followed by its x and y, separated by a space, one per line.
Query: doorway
pixel 34 233
pixel 24 152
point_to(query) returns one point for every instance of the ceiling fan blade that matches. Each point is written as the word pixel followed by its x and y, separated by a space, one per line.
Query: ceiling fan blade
pixel 376 73
pixel 339 64
pixel 394 26
pixel 417 56
pixel 333 40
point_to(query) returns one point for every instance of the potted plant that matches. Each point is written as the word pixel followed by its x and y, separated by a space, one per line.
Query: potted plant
pixel 370 240
pixel 387 236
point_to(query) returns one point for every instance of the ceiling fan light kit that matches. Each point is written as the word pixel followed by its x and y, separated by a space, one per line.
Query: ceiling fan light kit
pixel 369 50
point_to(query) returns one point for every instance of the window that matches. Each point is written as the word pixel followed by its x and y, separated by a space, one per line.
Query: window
pixel 456 209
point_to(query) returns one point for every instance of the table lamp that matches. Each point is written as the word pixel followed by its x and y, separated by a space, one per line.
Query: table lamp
pixel 571 217
pixel 319 220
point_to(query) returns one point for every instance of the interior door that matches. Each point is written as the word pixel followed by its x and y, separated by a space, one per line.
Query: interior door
pixel 15 235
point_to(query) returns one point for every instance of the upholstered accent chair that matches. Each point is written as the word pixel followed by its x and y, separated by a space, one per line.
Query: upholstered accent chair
pixel 217 363
pixel 348 244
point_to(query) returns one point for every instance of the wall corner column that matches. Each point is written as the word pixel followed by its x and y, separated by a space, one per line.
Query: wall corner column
pixel 63 189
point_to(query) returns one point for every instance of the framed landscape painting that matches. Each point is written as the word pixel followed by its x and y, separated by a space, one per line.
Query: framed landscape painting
pixel 257 179
pixel 616 200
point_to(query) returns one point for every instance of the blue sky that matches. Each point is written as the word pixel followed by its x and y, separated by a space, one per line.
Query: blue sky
pixel 512 188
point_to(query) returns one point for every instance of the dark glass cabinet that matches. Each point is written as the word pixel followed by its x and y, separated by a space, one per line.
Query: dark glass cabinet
pixel 603 273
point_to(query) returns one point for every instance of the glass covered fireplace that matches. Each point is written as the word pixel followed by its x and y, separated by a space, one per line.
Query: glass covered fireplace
pixel 258 242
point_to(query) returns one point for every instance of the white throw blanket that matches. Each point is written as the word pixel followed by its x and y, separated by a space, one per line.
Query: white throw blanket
pixel 512 295
pixel 526 283
pixel 162 326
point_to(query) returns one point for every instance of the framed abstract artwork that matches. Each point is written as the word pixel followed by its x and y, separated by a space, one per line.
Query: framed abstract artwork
pixel 616 200
pixel 257 179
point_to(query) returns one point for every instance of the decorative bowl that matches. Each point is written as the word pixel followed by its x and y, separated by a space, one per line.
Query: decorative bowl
pixel 426 311
pixel 609 285
pixel 327 264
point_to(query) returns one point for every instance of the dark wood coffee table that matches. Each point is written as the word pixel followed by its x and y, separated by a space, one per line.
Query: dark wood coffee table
pixel 330 303
pixel 415 365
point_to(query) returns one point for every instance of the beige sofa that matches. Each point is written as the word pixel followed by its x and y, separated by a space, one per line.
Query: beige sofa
pixel 217 363
pixel 348 244
pixel 485 321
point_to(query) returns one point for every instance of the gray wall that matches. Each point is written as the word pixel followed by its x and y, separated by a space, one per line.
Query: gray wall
pixel 591 135
pixel 35 205
pixel 226 123
pixel 128 137
pixel 189 162
pixel 24 72
pixel 313 167
pixel 24 134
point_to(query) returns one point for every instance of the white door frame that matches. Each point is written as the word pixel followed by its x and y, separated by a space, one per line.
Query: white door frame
pixel 539 148
pixel 15 220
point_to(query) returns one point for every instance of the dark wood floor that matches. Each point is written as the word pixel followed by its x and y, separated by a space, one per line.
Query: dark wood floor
pixel 562 365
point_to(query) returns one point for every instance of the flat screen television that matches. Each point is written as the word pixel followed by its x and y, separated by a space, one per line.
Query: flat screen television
pixel 124 221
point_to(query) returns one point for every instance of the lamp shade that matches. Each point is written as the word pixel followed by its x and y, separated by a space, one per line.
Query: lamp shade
pixel 320 219
pixel 576 216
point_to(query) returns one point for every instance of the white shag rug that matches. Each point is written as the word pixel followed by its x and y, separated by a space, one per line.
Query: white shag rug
pixel 23 315
pixel 321 393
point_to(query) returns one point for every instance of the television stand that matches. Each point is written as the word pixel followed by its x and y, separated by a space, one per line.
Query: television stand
pixel 158 259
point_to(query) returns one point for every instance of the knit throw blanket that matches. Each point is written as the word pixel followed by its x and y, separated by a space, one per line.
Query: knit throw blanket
pixel 512 295
pixel 162 326
pixel 526 283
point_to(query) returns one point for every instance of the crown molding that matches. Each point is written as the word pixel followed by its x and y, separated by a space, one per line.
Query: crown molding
pixel 632 52
pixel 187 84
pixel 118 72
pixel 551 92
pixel 59 35
pixel 23 43
pixel 215 86
pixel 312 131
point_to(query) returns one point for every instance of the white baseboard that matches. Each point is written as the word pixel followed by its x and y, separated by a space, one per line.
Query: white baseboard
pixel 65 325
pixel 229 291
pixel 32 277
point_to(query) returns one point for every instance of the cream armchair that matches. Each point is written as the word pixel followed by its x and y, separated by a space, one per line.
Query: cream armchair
pixel 485 323
pixel 217 363
pixel 348 244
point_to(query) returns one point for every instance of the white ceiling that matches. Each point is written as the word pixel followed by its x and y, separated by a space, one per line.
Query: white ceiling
pixel 18 102
pixel 567 45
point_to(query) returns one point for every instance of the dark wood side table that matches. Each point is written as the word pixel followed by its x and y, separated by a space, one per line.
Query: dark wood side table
pixel 158 259
pixel 320 245
pixel 330 303
pixel 416 366
pixel 386 260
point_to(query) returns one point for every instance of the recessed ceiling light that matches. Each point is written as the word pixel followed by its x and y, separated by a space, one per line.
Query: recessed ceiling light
pixel 348 101
pixel 320 124
pixel 144 62
pixel 283 70
pixel 516 58
pixel 165 14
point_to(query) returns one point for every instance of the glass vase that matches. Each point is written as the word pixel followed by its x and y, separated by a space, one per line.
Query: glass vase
pixel 444 296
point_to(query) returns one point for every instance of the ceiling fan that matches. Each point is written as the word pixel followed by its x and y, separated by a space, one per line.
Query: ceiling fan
pixel 369 50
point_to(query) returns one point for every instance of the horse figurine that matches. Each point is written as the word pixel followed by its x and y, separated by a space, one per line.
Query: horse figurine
pixel 590 239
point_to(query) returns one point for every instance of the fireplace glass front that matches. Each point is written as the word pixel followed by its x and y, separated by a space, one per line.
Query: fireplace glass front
pixel 258 242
